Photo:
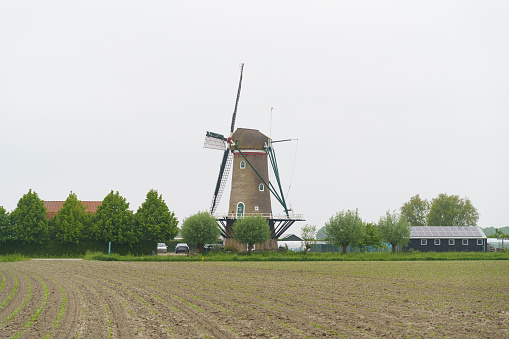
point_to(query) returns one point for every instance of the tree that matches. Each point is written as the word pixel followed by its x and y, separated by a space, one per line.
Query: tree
pixel 320 235
pixel 28 219
pixel 499 234
pixel 154 219
pixel 4 224
pixel 451 210
pixel 371 237
pixel 415 211
pixel 113 220
pixel 394 229
pixel 308 234
pixel 200 229
pixel 71 220
pixel 251 230
pixel 344 229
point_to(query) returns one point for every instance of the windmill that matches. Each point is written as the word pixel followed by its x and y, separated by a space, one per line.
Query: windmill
pixel 248 152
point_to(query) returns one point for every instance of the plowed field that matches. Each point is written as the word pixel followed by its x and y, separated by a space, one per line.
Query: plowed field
pixel 92 299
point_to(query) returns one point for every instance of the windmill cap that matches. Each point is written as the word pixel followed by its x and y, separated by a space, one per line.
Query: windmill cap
pixel 249 139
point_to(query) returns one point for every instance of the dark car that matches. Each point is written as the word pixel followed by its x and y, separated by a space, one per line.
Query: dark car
pixel 213 247
pixel 181 248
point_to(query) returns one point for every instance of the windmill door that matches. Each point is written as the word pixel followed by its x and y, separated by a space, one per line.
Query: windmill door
pixel 240 210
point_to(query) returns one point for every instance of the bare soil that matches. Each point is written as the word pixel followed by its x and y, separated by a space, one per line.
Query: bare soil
pixel 92 299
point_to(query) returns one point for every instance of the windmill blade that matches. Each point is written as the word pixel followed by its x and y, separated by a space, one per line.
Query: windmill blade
pixel 237 101
pixel 224 171
pixel 214 141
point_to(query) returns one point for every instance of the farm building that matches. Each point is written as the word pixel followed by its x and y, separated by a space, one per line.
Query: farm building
pixel 52 207
pixel 447 239
pixel 290 237
pixel 291 241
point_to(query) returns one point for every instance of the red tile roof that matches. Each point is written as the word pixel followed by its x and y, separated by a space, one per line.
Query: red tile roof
pixel 54 206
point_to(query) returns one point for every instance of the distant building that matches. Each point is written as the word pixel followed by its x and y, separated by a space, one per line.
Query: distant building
pixel 447 239
pixel 290 237
pixel 53 207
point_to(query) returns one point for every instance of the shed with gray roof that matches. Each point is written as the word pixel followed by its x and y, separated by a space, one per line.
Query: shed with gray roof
pixel 447 239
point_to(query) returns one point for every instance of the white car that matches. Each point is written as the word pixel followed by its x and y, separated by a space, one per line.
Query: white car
pixel 161 247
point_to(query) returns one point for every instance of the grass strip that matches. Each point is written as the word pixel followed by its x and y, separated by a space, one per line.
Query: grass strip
pixel 298 256
pixel 12 257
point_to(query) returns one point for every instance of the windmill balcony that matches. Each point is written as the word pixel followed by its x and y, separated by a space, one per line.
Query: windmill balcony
pixel 265 215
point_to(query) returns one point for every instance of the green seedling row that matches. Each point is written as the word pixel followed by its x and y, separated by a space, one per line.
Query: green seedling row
pixel 13 291
pixel 37 312
pixel 13 314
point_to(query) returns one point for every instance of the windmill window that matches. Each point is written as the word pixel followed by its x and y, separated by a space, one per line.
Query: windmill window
pixel 256 208
pixel 262 188
pixel 242 164
pixel 240 210
pixel 451 241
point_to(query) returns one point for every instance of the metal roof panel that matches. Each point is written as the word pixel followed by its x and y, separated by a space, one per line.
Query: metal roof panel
pixel 449 232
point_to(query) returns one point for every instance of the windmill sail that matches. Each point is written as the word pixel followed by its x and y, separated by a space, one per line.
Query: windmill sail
pixel 214 141
pixel 224 171
pixel 237 101
pixel 219 142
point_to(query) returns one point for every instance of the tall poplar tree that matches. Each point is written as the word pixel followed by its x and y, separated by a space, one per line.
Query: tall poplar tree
pixel 4 224
pixel 28 219
pixel 71 220
pixel 154 219
pixel 113 220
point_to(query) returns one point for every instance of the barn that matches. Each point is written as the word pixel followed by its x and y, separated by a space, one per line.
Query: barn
pixel 447 239
pixel 52 207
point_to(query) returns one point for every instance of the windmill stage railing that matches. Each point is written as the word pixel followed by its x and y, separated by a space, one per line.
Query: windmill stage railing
pixel 265 215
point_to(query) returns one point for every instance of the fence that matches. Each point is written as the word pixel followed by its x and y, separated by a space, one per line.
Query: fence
pixel 498 244
pixel 327 248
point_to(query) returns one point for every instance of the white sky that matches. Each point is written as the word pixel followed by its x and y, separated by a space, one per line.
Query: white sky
pixel 388 99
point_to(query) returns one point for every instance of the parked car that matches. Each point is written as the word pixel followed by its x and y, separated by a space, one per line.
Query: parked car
pixel 213 247
pixel 161 247
pixel 181 248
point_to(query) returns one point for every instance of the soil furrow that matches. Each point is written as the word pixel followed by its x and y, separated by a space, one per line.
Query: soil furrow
pixel 11 284
pixel 158 308
pixel 26 301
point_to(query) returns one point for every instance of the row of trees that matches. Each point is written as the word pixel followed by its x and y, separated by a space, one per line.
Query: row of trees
pixel 202 228
pixel 499 233
pixel 444 210
pixel 113 221
pixel 346 228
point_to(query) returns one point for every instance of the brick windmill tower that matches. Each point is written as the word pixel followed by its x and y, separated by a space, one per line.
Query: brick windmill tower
pixel 250 152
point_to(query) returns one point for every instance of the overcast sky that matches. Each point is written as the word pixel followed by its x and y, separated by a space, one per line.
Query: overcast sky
pixel 388 99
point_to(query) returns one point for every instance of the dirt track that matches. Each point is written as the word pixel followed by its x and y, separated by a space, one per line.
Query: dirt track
pixel 89 299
